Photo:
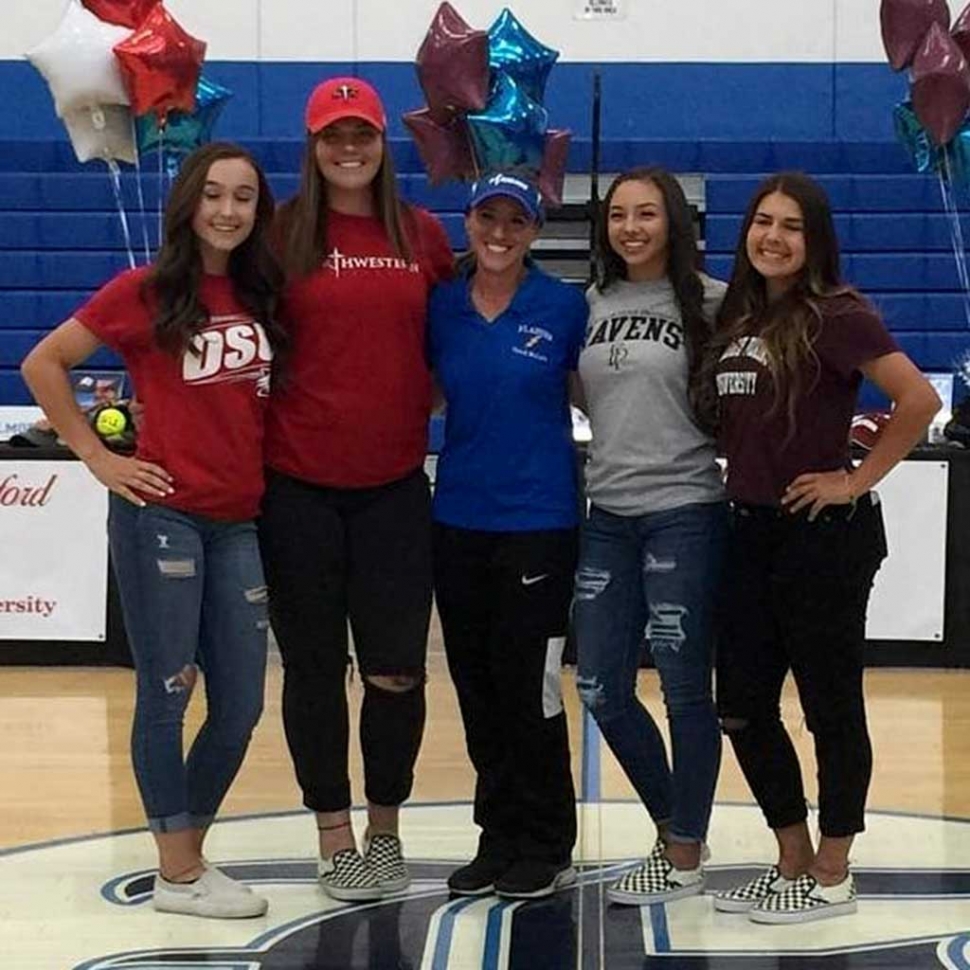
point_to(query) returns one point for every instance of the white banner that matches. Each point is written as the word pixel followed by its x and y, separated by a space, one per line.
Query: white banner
pixel 54 562
pixel 908 597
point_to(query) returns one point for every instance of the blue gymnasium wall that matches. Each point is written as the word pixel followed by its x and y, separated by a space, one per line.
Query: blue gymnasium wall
pixel 729 90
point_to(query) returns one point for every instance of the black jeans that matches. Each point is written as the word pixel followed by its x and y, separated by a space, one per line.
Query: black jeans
pixel 794 598
pixel 503 599
pixel 363 555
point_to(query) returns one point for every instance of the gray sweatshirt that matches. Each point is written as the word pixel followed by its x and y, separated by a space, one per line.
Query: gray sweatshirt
pixel 647 454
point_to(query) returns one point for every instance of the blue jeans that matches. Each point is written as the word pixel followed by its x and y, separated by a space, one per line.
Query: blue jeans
pixel 193 596
pixel 654 576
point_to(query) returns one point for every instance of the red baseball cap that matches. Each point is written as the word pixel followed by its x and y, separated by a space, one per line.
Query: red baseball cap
pixel 344 97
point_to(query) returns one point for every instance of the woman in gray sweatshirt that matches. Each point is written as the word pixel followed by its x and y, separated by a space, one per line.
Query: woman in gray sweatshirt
pixel 653 541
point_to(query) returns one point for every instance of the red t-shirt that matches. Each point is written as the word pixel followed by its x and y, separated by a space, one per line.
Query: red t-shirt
pixel 761 459
pixel 354 408
pixel 204 414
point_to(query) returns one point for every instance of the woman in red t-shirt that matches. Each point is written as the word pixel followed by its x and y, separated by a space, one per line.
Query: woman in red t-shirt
pixel 197 332
pixel 792 346
pixel 345 531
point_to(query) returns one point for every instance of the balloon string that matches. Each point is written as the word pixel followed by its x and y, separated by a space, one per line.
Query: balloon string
pixel 115 172
pixel 141 205
pixel 948 195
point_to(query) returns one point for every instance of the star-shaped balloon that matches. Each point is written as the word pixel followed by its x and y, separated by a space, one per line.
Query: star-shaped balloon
pixel 78 62
pixel 941 85
pixel 161 64
pixel 452 65
pixel 125 13
pixel 515 52
pixel 552 174
pixel 445 149
pixel 510 133
pixel 184 131
pixel 101 133
pixel 904 25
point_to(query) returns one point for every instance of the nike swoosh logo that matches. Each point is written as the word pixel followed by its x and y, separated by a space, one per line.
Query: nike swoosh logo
pixel 532 580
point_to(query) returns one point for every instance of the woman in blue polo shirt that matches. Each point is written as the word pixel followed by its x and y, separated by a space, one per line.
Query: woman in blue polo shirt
pixel 504 339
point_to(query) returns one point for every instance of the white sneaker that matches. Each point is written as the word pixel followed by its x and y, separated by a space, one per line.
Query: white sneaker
pixel 213 894
pixel 806 899
pixel 347 876
pixel 744 898
pixel 656 880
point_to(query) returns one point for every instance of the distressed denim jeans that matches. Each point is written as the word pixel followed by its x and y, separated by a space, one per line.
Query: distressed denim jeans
pixel 193 596
pixel 654 577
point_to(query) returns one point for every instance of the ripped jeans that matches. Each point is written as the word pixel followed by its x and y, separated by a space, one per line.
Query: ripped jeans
pixel 193 596
pixel 654 577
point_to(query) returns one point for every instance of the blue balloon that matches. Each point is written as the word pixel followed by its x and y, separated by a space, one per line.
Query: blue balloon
pixel 513 51
pixel 924 155
pixel 184 131
pixel 511 132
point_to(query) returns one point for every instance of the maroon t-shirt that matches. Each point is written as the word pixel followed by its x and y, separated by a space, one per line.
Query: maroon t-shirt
pixel 754 437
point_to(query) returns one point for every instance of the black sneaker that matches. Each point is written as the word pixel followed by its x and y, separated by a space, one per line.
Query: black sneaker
pixel 478 877
pixel 533 878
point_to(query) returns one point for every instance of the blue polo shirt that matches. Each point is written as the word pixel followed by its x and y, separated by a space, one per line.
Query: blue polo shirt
pixel 508 462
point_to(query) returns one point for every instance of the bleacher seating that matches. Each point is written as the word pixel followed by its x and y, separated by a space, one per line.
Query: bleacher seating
pixel 896 248
pixel 61 237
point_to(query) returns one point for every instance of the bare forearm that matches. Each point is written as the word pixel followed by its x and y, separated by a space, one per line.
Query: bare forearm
pixel 49 383
pixel 905 428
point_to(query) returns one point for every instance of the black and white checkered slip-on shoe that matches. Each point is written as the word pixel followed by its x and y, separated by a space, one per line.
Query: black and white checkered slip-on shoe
pixel 385 857
pixel 744 898
pixel 347 877
pixel 805 900
pixel 656 880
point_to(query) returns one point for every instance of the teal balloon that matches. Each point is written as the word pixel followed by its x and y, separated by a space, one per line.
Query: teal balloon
pixel 184 131
pixel 510 133
pixel 514 52
pixel 924 155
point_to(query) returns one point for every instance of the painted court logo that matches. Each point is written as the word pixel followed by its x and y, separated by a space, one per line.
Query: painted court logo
pixel 910 916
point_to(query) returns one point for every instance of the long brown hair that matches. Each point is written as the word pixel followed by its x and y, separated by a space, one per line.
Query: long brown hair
pixel 301 228
pixel 177 272
pixel 683 266
pixel 789 325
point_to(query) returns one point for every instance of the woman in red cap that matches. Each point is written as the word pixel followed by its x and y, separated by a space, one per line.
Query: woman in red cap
pixel 346 525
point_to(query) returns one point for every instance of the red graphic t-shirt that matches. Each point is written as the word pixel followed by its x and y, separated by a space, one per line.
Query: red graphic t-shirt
pixel 354 408
pixel 763 458
pixel 204 412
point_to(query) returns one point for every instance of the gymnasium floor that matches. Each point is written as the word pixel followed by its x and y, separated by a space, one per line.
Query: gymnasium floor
pixel 75 879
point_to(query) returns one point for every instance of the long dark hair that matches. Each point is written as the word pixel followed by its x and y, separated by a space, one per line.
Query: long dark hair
pixel 683 268
pixel 301 229
pixel 789 325
pixel 177 272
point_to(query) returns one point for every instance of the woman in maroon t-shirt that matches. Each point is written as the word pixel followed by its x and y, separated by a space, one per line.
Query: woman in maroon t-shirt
pixel 345 531
pixel 792 347
pixel 197 333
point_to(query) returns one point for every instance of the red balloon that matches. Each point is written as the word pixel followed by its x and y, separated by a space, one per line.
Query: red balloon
pixel 124 13
pixel 452 65
pixel 961 31
pixel 941 85
pixel 904 25
pixel 161 64
pixel 445 149
pixel 552 174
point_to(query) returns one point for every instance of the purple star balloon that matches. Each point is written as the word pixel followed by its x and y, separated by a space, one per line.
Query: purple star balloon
pixel 452 65
pixel 444 149
pixel 941 85
pixel 904 24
